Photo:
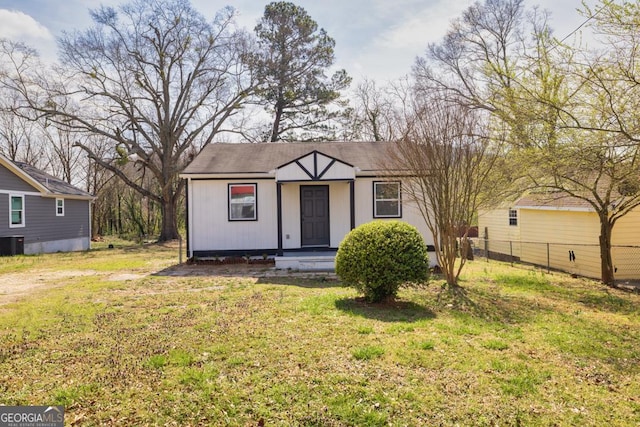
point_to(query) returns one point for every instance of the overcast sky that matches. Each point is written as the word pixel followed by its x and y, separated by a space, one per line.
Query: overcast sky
pixel 377 39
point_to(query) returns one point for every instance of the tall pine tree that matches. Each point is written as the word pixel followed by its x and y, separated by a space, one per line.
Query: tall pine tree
pixel 291 62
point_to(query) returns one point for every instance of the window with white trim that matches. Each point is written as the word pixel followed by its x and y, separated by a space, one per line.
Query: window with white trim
pixel 387 200
pixel 16 211
pixel 59 207
pixel 242 202
pixel 513 217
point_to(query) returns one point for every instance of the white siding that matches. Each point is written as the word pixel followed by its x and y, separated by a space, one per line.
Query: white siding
pixel 339 171
pixel 340 215
pixel 291 215
pixel 412 215
pixel 364 209
pixel 210 227
pixel 292 172
pixel 323 161
pixel 308 161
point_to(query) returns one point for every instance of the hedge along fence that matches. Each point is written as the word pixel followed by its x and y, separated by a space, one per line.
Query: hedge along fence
pixel 378 257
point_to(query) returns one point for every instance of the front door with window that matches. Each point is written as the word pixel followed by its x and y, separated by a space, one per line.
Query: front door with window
pixel 314 210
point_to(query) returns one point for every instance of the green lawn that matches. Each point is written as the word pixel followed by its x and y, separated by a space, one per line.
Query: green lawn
pixel 117 344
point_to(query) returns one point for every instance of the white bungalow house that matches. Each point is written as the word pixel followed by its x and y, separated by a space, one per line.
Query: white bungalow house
pixel 294 201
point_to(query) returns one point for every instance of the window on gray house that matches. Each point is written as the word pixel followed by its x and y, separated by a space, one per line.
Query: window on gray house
pixel 16 211
pixel 59 207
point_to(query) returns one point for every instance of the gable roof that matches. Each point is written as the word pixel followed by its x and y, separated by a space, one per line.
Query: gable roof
pixel 42 181
pixel 238 158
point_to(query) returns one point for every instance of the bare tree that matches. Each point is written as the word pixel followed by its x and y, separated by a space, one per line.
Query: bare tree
pixel 153 78
pixel 477 54
pixel 377 113
pixel 64 157
pixel 450 157
pixel 101 183
pixel 374 110
pixel 20 138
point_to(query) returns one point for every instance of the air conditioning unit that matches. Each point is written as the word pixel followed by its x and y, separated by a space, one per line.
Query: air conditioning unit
pixel 11 245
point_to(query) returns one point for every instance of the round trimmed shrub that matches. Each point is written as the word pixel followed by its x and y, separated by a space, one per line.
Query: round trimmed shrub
pixel 379 256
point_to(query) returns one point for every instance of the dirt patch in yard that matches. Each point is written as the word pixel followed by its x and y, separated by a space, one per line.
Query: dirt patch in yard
pixel 14 286
pixel 123 277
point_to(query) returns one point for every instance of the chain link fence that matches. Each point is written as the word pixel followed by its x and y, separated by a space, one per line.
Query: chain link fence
pixel 573 258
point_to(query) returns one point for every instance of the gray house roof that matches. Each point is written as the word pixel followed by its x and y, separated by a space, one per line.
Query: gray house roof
pixel 51 183
pixel 42 181
pixel 225 158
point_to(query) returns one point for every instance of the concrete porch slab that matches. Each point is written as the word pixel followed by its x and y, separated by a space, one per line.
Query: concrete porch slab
pixel 312 261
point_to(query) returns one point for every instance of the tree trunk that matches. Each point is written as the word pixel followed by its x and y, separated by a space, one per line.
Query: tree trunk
pixel 448 253
pixel 606 261
pixel 119 223
pixel 451 277
pixel 169 229
pixel 275 132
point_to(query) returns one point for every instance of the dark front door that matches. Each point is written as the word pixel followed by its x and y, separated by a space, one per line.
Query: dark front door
pixel 314 210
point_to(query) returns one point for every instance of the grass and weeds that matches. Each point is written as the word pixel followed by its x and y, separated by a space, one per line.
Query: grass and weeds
pixel 122 345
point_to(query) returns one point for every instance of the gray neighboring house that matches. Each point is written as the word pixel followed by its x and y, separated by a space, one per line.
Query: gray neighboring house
pixel 50 214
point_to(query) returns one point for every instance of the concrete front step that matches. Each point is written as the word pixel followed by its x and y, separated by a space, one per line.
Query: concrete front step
pixel 306 262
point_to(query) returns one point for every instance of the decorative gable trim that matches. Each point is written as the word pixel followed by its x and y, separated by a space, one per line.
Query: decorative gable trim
pixel 315 166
